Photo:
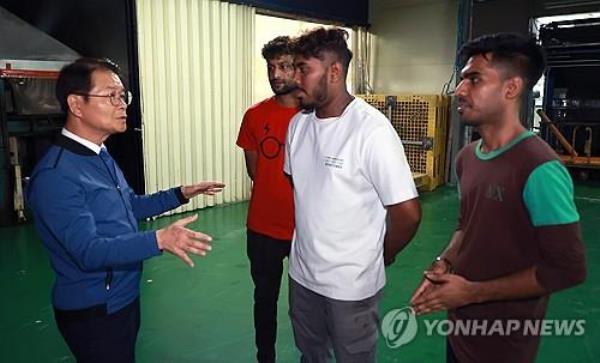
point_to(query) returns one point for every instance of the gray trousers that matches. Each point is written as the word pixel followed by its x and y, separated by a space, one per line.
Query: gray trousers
pixel 321 323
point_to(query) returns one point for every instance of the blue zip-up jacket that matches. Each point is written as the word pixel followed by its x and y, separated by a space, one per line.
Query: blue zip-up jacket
pixel 89 224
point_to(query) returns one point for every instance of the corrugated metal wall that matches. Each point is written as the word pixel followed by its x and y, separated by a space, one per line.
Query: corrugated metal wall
pixel 196 83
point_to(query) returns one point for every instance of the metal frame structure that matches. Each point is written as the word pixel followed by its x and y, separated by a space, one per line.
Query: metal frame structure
pixel 15 131
pixel 422 124
pixel 571 116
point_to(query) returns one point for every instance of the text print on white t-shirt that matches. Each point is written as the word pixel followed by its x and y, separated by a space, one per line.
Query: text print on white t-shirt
pixel 333 162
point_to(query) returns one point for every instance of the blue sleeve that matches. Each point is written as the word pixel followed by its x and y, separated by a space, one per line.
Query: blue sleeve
pixel 63 217
pixel 150 205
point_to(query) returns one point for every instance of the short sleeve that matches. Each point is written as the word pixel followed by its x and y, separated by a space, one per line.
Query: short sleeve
pixel 246 139
pixel 287 163
pixel 549 195
pixel 387 168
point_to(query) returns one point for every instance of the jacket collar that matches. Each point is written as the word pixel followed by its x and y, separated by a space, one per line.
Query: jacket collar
pixel 73 146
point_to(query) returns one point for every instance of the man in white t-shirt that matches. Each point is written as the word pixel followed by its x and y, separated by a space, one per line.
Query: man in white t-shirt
pixel 349 172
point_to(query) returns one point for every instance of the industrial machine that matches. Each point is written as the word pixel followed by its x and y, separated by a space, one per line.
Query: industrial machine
pixel 421 122
pixel 30 116
pixel 571 109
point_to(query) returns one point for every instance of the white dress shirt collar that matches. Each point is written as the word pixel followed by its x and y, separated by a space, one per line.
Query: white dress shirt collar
pixel 87 143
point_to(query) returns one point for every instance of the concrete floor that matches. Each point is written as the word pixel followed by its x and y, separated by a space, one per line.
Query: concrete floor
pixel 205 314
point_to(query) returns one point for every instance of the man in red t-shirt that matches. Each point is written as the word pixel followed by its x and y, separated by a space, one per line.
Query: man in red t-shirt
pixel 271 212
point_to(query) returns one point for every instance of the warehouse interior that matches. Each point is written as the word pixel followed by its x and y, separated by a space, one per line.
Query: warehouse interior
pixel 194 67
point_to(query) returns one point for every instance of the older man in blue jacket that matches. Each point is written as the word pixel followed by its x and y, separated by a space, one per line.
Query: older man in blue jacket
pixel 87 217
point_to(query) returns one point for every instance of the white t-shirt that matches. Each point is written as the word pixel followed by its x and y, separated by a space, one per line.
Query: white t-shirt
pixel 345 171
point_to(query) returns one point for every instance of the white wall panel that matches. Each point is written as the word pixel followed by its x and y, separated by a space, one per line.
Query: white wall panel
pixel 196 62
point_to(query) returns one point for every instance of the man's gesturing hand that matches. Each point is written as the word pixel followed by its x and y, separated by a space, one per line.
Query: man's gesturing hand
pixel 179 240
pixel 205 187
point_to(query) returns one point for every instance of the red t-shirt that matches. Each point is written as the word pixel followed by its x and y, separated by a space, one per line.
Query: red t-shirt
pixel 263 129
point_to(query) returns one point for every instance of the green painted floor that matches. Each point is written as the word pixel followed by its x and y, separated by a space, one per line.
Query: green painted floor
pixel 204 314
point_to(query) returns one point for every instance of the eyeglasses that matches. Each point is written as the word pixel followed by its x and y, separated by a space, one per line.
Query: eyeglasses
pixel 115 97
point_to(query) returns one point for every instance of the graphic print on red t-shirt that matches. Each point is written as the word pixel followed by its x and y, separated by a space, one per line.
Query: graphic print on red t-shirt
pixel 263 130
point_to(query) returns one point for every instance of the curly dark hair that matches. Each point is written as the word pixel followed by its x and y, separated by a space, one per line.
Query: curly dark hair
pixel 520 55
pixel 277 47
pixel 76 77
pixel 316 42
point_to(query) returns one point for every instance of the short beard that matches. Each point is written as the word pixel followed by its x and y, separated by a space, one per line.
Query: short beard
pixel 321 94
pixel 286 89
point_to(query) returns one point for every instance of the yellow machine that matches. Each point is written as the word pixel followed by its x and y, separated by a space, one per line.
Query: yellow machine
pixel 422 123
